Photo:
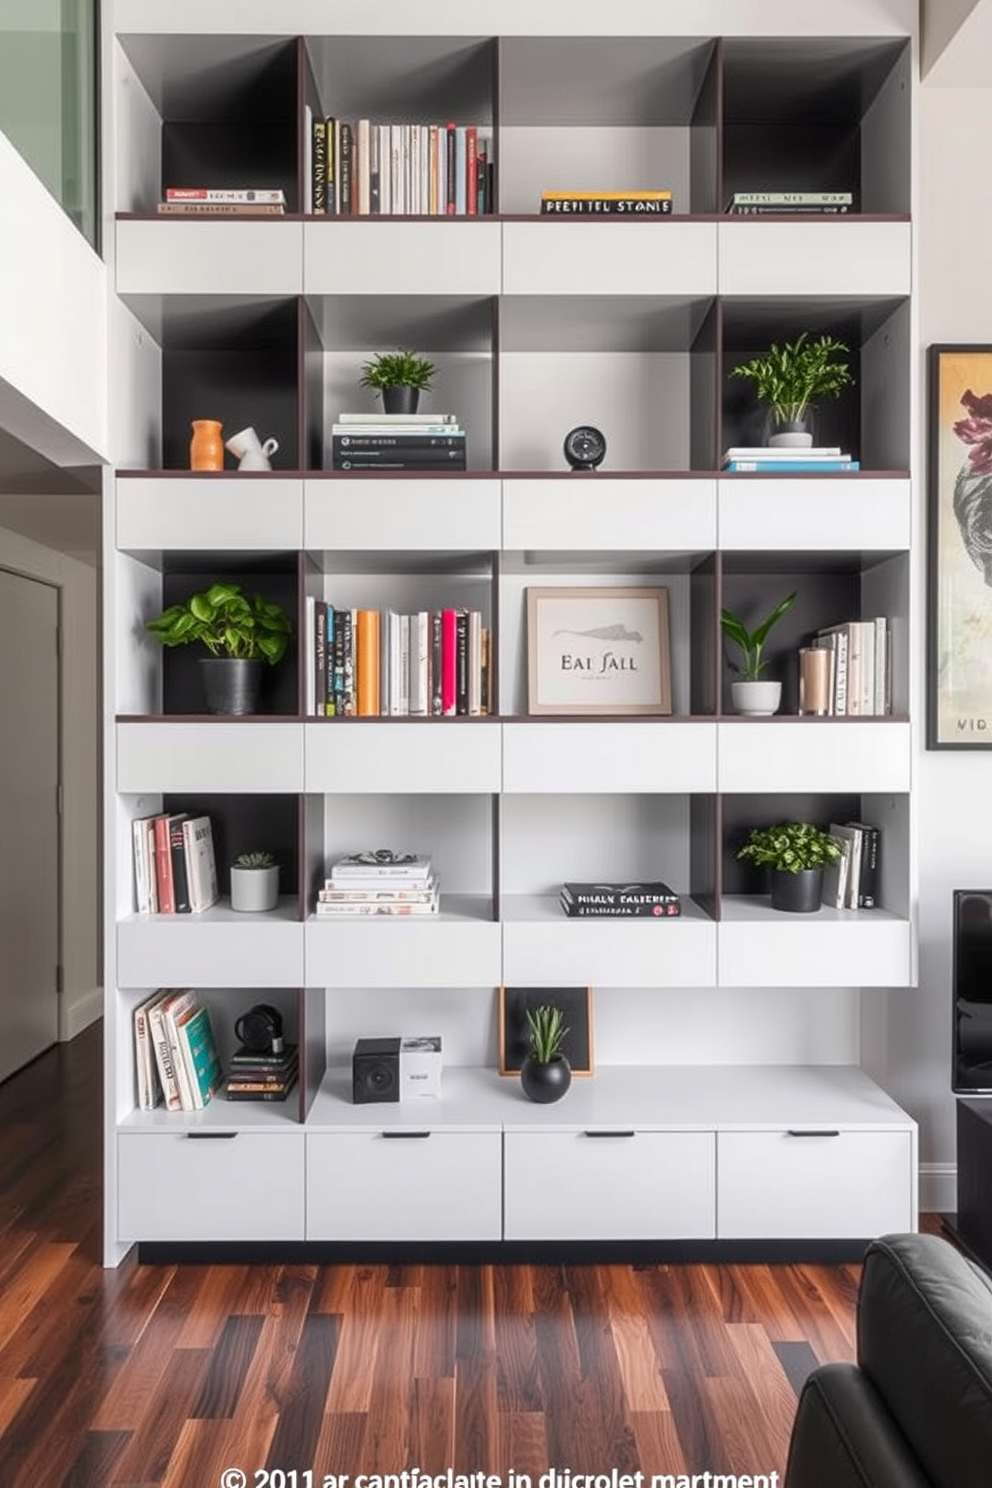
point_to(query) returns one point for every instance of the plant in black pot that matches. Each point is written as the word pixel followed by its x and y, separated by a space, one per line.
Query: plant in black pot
pixel 791 379
pixel 752 695
pixel 545 1073
pixel 239 631
pixel 399 377
pixel 796 854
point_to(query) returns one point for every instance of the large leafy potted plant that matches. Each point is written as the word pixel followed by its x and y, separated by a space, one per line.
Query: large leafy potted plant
pixel 545 1073
pixel 399 377
pixel 790 379
pixel 753 696
pixel 240 633
pixel 796 854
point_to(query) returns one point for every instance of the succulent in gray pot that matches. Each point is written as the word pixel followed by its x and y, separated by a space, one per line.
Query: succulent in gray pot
pixel 254 882
pixel 240 633
pixel 796 854
pixel 545 1073
pixel 399 377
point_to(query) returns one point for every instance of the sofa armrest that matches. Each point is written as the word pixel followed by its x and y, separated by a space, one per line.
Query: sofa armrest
pixel 844 1437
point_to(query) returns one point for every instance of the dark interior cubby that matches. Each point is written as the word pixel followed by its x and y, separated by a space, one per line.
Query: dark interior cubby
pixel 247 823
pixel 741 813
pixel 274 577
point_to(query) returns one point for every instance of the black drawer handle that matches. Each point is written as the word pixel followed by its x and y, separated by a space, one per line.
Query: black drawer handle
pixel 210 1136
pixel 397 1136
pixel 609 1134
pixel 812 1134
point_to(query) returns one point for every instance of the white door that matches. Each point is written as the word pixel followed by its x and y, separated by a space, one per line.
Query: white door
pixel 29 819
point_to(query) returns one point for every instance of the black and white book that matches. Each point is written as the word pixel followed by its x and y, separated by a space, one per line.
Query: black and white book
pixel 619 895
pixel 201 866
pixel 381 864
pixel 627 911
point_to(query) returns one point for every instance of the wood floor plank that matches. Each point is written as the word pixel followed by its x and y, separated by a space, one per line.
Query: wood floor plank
pixel 518 1378
pixel 638 1361
pixel 432 1423
pixel 96 1459
pixel 659 1446
pixel 157 1427
pixel 351 1383
pixel 768 1381
pixel 13 1393
pixel 342 1441
pixel 206 1447
pixel 387 1436
pixel 475 1370
pixel 219 1289
pixel 300 1406
pixel 522 1444
pixel 229 1366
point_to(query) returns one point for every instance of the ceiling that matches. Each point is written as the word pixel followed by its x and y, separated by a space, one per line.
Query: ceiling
pixel 55 505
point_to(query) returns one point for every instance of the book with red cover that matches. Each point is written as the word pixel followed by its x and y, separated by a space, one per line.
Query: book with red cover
pixel 449 662
pixel 163 865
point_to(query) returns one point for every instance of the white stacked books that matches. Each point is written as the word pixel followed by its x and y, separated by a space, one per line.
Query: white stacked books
pixel 379 883
pixel 775 460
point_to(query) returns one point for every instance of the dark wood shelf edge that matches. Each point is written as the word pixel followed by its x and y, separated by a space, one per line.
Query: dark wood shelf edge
pixel 806 720
pixel 337 475
pixel 655 217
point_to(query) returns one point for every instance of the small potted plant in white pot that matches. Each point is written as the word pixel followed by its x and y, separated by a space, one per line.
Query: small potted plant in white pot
pixel 254 882
pixel 796 854
pixel 399 377
pixel 753 696
pixel 545 1073
pixel 791 379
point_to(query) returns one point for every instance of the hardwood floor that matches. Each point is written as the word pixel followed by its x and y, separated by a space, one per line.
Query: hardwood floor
pixel 168 1375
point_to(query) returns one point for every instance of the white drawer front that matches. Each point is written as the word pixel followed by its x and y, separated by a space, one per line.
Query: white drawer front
pixel 781 513
pixel 264 512
pixel 605 953
pixel 609 515
pixel 391 1184
pixel 249 757
pixel 443 757
pixel 376 515
pixel 607 257
pixel 852 1185
pixel 648 1186
pixel 408 258
pixel 210 257
pixel 814 756
pixel 839 256
pixel 657 757
pixel 842 948
pixel 403 953
pixel 213 1186
pixel 217 949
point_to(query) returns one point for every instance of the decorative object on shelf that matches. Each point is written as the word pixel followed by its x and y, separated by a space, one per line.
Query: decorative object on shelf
pixel 791 378
pixel 260 1029
pixel 396 1069
pixel 240 632
pixel 751 696
pixel 399 377
pixel 254 882
pixel 654 900
pixel 606 203
pixel 206 445
pixel 250 452
pixel 381 882
pixel 585 447
pixel 814 681
pixel 796 853
pixel 959 664
pixel 598 651
pixel 514 1005
pixel 545 1074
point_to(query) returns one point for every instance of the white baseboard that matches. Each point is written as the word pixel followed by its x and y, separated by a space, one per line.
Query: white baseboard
pixel 938 1188
pixel 78 1012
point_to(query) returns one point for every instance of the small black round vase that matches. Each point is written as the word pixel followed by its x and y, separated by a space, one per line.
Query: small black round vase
pixel 545 1083
pixel 798 893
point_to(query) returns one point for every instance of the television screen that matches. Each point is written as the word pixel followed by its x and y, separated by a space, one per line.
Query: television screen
pixel 972 991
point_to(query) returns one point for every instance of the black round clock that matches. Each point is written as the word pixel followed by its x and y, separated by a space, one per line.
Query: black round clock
pixel 585 447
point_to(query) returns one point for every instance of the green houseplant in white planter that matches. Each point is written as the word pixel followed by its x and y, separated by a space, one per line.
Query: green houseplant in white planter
pixel 753 696
pixel 399 377
pixel 545 1073
pixel 240 632
pixel 254 882
pixel 791 379
pixel 796 854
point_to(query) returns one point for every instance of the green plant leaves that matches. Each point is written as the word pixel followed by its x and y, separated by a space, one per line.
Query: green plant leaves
pixel 228 623
pixel 790 847
pixel 397 369
pixel 547 1030
pixel 752 642
pixel 792 376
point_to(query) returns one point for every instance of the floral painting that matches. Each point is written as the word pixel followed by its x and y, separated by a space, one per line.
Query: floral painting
pixel 960 479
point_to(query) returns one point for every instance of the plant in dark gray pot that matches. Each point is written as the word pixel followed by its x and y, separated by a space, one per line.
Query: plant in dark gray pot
pixel 796 854
pixel 254 882
pixel 545 1073
pixel 240 632
pixel 399 377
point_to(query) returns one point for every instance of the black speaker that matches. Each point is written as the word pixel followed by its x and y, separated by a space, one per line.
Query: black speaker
pixel 971 1040
pixel 375 1070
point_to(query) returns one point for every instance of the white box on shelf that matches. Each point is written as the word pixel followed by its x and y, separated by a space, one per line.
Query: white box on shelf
pixel 785 513
pixel 566 256
pixel 829 256
pixel 460 947
pixel 207 256
pixel 542 946
pixel 448 515
pixel 234 756
pixel 594 514
pixel 762 947
pixel 193 515
pixel 814 755
pixel 620 757
pixel 219 947
pixel 401 258
pixel 433 755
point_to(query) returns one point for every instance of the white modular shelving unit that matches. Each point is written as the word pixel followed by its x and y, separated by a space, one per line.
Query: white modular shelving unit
pixel 728 1041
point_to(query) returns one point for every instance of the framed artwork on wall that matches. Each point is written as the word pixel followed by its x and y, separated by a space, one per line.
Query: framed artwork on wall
pixel 576 1005
pixel 598 651
pixel 959 487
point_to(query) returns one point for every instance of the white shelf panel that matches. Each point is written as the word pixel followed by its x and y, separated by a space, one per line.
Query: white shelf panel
pixel 592 513
pixel 783 513
pixel 835 257
pixel 429 757
pixel 193 515
pixel 762 947
pixel 542 946
pixel 815 755
pixel 448 515
pixel 233 756
pixel 218 948
pixel 401 258
pixel 623 758
pixel 460 947
pixel 609 257
pixel 210 257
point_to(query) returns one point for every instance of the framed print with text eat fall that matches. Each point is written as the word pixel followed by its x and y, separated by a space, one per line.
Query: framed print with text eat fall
pixel 598 651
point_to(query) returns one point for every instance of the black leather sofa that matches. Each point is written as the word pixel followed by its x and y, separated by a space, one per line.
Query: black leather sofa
pixel 916 1409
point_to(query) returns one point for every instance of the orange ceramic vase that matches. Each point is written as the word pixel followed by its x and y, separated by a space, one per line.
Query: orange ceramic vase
pixel 206 448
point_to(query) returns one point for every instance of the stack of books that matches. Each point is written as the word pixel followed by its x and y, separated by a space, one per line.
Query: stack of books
pixel 379 883
pixel 223 201
pixel 852 881
pixel 634 901
pixel 808 203
pixel 769 461
pixel 859 684
pixel 174 868
pixel 262 1077
pixel 606 204
pixel 398 441
pixel 175 1052
pixel 365 169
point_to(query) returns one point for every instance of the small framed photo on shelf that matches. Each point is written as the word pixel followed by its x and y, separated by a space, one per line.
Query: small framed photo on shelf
pixel 959 667
pixel 598 651
pixel 576 1007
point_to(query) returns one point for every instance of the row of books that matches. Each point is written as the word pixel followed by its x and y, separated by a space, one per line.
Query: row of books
pixel 365 884
pixel 223 201
pixel 606 204
pixel 398 441
pixel 381 664
pixel 776 461
pixel 789 203
pixel 859 681
pixel 653 900
pixel 175 1052
pixel 363 168
pixel 852 882
pixel 174 867
pixel 252 1076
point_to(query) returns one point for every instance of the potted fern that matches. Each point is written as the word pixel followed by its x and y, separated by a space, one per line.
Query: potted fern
pixel 790 379
pixel 545 1073
pixel 240 632
pixel 796 854
pixel 399 377
pixel 752 696
pixel 254 882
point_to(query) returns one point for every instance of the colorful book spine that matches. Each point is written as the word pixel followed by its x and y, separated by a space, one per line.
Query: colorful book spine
pixel 367 658
pixel 319 165
pixel 449 662
pixel 792 467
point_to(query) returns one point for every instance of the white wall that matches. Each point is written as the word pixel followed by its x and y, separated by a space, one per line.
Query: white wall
pixel 82 997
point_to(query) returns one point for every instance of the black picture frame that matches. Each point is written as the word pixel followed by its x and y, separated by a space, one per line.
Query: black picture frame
pixel 575 1003
pixel 959 556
